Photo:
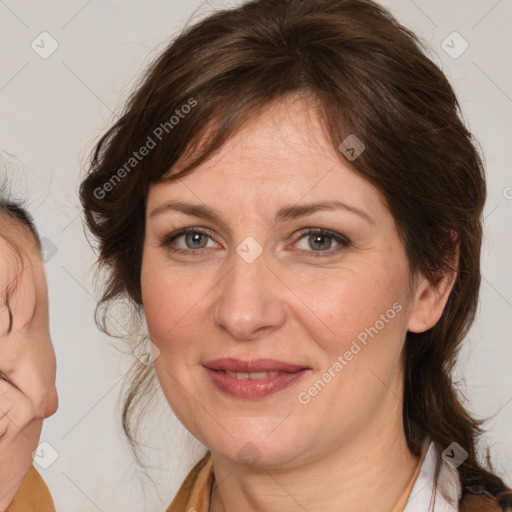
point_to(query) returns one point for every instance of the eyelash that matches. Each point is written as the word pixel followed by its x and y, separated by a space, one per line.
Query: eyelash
pixel 342 240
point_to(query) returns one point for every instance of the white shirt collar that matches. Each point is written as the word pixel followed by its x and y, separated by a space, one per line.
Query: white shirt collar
pixel 448 489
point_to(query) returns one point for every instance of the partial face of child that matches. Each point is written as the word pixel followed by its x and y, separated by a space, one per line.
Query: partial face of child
pixel 27 360
pixel 27 357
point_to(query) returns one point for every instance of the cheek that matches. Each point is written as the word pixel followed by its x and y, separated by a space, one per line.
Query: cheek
pixel 338 309
pixel 362 322
pixel 171 303
pixel 161 306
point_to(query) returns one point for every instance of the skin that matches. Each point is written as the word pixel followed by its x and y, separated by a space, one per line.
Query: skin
pixel 345 449
pixel 27 359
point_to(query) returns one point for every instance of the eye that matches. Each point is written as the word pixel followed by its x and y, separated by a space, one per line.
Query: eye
pixel 196 239
pixel 193 238
pixel 320 240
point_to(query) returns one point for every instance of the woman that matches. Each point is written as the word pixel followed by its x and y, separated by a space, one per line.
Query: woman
pixel 293 204
pixel 27 361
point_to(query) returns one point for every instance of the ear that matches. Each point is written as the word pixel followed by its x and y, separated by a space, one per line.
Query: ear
pixel 430 298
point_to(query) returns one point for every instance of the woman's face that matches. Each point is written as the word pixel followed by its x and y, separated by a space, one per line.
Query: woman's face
pixel 257 287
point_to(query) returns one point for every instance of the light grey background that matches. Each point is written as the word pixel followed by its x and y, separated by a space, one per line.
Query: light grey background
pixel 52 112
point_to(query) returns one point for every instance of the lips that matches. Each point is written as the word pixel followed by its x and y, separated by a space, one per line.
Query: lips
pixel 254 366
pixel 254 379
pixel 253 385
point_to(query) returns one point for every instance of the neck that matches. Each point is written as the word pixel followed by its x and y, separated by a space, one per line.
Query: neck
pixel 368 472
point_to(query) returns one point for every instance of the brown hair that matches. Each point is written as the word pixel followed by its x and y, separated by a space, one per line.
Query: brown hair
pixel 367 75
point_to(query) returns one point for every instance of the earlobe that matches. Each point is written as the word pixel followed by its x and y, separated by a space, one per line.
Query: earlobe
pixel 430 300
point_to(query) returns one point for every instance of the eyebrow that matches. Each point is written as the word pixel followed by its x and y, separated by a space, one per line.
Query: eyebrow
pixel 283 214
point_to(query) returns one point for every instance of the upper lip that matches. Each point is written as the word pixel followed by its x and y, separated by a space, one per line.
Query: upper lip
pixel 256 365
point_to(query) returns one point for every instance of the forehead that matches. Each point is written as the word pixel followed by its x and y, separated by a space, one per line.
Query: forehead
pixel 288 130
pixel 15 237
pixel 282 155
pixel 20 259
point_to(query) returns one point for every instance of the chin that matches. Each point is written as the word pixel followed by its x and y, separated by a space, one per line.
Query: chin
pixel 263 451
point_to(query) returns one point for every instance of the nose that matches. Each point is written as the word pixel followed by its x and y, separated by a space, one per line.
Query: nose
pixel 250 299
pixel 51 403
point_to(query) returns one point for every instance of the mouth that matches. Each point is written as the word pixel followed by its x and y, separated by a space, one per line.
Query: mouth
pixel 253 379
pixel 251 375
pixel 255 366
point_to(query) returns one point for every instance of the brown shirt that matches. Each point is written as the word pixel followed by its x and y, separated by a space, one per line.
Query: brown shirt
pixel 194 493
pixel 33 495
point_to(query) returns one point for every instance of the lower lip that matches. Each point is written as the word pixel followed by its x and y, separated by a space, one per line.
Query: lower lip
pixel 253 389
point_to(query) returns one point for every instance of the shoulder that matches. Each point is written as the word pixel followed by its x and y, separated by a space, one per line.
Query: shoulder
pixel 33 495
pixel 194 493
pixel 430 495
